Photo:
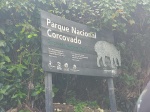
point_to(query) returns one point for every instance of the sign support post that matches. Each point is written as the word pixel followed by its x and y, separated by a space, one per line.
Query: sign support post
pixel 112 95
pixel 48 93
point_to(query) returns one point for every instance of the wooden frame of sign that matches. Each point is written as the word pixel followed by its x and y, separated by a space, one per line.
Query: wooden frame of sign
pixel 70 48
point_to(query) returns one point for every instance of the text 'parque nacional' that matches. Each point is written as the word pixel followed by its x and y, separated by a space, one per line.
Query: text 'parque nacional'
pixel 66 29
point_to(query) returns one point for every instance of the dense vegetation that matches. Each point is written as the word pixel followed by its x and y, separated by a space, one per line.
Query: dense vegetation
pixel 21 75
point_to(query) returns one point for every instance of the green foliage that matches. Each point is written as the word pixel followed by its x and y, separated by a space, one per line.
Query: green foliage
pixel 21 74
pixel 130 80
pixel 38 89
pixel 19 52
pixel 4 91
pixel 24 111
pixel 80 105
pixel 55 90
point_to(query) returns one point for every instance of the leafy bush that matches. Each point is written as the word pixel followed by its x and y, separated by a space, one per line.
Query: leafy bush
pixel 21 75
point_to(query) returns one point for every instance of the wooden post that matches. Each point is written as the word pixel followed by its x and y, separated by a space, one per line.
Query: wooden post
pixel 48 93
pixel 112 95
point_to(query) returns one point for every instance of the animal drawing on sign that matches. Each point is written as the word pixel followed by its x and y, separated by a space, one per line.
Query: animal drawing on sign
pixel 105 49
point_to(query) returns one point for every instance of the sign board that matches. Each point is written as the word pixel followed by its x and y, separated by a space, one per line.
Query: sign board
pixel 72 48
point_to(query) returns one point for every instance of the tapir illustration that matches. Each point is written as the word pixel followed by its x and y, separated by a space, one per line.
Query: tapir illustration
pixel 105 49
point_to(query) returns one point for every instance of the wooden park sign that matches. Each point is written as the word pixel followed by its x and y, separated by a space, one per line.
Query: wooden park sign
pixel 72 48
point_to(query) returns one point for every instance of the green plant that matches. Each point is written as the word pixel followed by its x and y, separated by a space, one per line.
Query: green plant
pixel 80 105
pixel 24 111
pixel 4 92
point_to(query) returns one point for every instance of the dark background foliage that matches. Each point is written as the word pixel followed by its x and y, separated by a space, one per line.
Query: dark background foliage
pixel 21 75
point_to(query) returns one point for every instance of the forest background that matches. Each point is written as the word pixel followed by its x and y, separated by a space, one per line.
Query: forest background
pixel 21 74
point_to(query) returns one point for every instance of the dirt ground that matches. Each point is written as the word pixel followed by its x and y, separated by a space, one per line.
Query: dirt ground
pixel 57 108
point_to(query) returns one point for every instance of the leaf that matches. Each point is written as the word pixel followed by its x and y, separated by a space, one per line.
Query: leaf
pixel 131 22
pixel 15 96
pixel 11 69
pixel 2 31
pixel 23 29
pixel 29 36
pixel 1 97
pixel 7 58
pixel 64 1
pixel 20 69
pixel 2 43
pixel 4 89
pixel 2 65
pixel 34 93
pixel 114 25
pixel 35 35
